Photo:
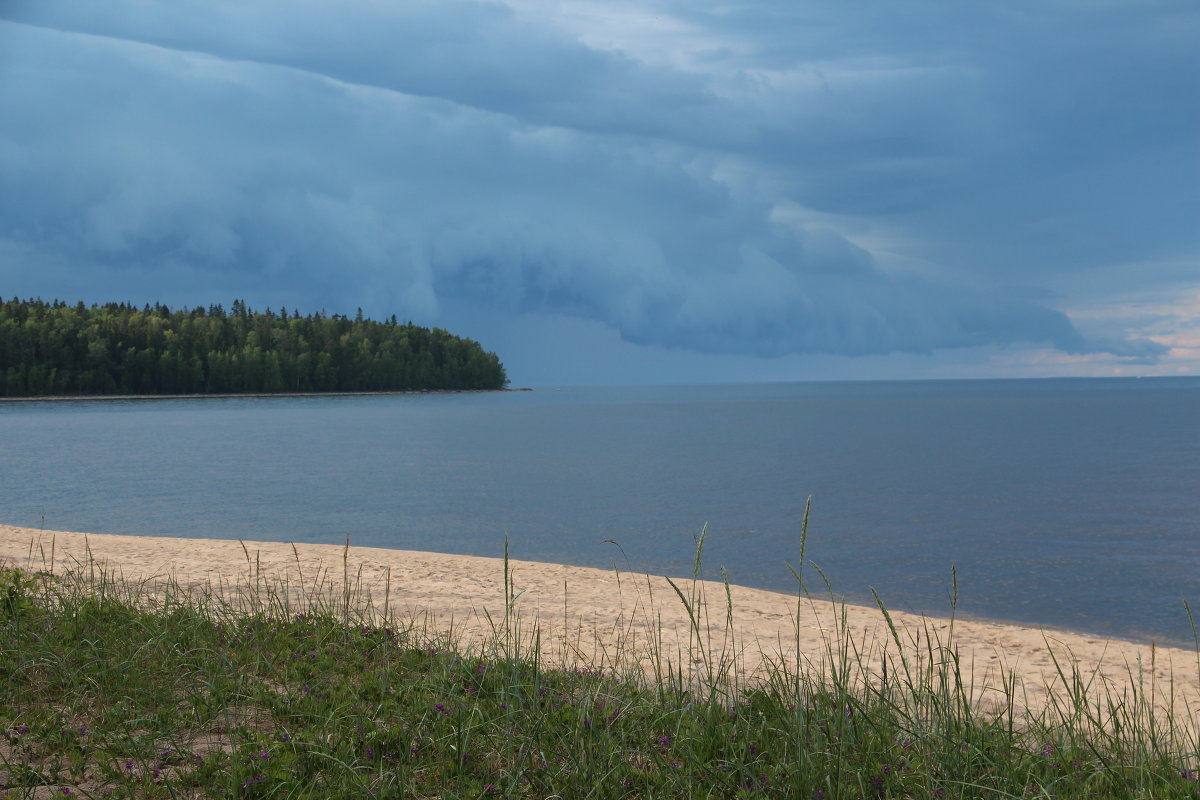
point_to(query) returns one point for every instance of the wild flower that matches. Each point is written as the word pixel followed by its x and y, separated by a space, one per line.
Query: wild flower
pixel 251 781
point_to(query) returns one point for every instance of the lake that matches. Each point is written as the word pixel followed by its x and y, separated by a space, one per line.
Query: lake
pixel 1069 503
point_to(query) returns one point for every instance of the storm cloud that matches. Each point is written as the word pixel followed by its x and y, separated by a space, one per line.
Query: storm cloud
pixel 760 180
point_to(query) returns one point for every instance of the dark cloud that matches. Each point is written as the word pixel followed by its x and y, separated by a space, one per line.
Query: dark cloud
pixel 406 157
pixel 478 54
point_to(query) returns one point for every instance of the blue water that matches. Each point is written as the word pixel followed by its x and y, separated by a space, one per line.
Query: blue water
pixel 1068 503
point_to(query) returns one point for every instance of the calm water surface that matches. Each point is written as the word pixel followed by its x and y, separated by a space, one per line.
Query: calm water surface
pixel 1071 503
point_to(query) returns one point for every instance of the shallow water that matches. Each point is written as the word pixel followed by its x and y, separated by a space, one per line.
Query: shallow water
pixel 1070 503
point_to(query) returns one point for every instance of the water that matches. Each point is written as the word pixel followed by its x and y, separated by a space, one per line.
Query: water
pixel 1068 503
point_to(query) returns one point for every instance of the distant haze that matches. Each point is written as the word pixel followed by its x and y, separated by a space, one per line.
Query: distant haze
pixel 628 192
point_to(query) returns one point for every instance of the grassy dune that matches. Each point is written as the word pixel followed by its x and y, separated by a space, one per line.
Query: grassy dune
pixel 108 689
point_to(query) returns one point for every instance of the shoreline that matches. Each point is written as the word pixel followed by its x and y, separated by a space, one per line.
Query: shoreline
pixel 605 617
pixel 79 397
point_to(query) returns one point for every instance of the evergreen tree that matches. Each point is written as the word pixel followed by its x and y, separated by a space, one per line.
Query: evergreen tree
pixel 55 348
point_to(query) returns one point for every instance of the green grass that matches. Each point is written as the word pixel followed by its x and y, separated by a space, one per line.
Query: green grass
pixel 108 690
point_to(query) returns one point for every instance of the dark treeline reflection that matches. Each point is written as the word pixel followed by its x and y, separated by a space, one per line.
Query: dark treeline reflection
pixel 55 349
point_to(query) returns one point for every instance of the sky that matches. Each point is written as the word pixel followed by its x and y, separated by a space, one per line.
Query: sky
pixel 629 191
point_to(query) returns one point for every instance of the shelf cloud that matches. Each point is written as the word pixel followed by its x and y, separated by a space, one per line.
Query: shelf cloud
pixel 764 180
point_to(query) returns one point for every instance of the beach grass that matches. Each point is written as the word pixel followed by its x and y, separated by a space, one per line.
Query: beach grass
pixel 117 689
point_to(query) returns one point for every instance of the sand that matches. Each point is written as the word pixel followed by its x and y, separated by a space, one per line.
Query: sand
pixel 610 619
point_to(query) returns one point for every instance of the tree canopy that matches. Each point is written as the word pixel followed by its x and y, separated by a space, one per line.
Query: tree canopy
pixel 53 348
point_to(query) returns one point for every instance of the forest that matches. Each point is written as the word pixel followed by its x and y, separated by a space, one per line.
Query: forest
pixel 54 348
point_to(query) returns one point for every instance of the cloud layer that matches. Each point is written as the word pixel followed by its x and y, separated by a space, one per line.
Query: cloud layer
pixel 764 179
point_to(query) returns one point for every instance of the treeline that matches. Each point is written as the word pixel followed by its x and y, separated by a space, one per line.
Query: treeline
pixel 61 349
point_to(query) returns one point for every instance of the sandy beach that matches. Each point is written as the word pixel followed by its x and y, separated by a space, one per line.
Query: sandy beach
pixel 611 619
